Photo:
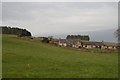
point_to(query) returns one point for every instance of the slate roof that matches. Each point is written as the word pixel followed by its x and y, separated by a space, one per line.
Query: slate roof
pixel 69 41
pixel 92 43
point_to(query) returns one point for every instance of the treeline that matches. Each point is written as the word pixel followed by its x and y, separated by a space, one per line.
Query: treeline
pixel 81 37
pixel 16 31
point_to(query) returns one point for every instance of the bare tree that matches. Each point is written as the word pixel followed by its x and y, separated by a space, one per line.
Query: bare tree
pixel 117 33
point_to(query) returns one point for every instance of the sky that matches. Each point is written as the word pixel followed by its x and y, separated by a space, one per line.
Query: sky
pixel 59 0
pixel 62 18
pixel 0 13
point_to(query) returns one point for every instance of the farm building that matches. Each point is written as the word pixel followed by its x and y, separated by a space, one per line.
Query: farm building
pixel 86 44
pixel 70 42
pixel 76 43
pixel 101 45
pixel 89 44
pixel 110 45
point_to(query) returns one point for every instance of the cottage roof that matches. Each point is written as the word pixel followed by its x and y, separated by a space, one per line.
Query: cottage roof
pixel 110 44
pixel 69 41
pixel 92 43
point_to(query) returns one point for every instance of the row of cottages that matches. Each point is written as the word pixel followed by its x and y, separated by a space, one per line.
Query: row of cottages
pixel 85 44
pixel 101 45
pixel 70 43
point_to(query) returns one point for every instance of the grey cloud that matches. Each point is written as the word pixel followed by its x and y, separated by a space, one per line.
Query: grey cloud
pixel 0 13
pixel 62 17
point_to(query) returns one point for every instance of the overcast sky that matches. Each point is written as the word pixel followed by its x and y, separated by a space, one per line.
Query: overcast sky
pixel 43 18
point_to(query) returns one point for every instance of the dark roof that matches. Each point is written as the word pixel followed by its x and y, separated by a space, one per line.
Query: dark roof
pixel 92 43
pixel 110 44
pixel 69 41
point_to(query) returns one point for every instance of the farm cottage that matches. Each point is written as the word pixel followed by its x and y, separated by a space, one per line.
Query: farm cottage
pixel 76 43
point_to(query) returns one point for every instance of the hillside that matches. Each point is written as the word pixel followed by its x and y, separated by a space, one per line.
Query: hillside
pixel 26 59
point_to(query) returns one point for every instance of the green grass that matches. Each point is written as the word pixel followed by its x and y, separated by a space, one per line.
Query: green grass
pixel 0 56
pixel 46 61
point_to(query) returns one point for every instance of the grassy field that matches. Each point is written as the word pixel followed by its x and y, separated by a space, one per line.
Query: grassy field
pixel 26 59
pixel 0 55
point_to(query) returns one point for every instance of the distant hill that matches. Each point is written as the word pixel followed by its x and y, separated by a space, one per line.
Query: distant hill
pixel 105 35
pixel 99 35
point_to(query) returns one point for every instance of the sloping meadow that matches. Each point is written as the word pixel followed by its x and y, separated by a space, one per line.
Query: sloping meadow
pixel 26 59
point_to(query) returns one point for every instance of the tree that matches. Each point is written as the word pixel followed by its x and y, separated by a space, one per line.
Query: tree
pixel 81 37
pixel 117 33
pixel 16 31
pixel 45 40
